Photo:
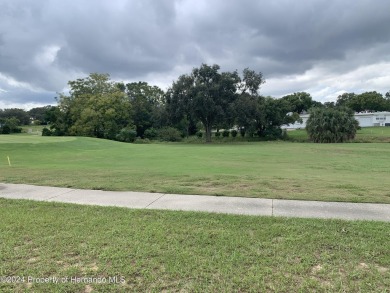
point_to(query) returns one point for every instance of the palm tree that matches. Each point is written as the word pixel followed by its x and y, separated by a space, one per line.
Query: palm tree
pixel 331 125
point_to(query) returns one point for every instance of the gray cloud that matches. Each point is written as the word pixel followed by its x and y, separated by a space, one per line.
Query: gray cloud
pixel 43 44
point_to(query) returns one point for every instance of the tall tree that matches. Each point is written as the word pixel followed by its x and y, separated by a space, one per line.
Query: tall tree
pixel 372 101
pixel 20 114
pixel 95 107
pixel 248 110
pixel 300 102
pixel 206 94
pixel 345 99
pixel 147 105
pixel 367 101
pixel 251 82
pixel 178 104
pixel 39 114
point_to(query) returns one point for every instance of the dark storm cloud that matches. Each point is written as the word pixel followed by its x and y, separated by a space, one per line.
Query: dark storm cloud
pixel 43 44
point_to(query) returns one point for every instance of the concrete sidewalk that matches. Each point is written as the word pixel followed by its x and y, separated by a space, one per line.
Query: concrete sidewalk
pixel 215 204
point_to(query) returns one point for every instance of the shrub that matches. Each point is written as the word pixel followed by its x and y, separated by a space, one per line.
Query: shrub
pixel 169 134
pixel 151 133
pixel 331 125
pixel 6 129
pixel 199 134
pixel 225 133
pixel 242 132
pixel 234 132
pixel 217 134
pixel 273 133
pixel 127 134
pixel 46 132
pixel 139 140
pixel 284 134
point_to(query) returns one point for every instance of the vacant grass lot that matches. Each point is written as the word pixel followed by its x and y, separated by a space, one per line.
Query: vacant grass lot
pixel 185 251
pixel 354 172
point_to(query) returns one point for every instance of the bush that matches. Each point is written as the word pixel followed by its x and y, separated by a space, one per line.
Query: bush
pixel 234 132
pixel 217 134
pixel 127 134
pixel 151 133
pixel 284 134
pixel 46 132
pixel 6 129
pixel 199 134
pixel 169 134
pixel 273 133
pixel 225 133
pixel 139 140
pixel 242 132
pixel 331 125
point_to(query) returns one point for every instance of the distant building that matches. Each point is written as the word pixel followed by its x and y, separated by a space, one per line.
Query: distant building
pixel 365 119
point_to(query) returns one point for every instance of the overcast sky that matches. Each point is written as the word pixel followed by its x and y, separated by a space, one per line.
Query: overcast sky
pixel 324 47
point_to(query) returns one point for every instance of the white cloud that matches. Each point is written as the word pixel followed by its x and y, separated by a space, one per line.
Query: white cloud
pixel 47 55
pixel 325 85
pixel 9 83
pixel 324 47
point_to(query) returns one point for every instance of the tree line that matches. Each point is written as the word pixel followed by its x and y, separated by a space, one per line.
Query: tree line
pixel 202 102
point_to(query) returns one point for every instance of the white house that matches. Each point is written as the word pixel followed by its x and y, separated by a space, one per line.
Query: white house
pixel 365 119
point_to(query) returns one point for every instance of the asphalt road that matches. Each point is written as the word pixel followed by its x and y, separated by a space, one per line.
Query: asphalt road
pixel 214 204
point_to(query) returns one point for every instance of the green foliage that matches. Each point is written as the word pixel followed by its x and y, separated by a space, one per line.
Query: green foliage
pixel 262 116
pixel 19 114
pixel 46 132
pixel 169 134
pixel 96 107
pixel 140 140
pixel 58 118
pixel 251 82
pixel 199 134
pixel 367 101
pixel 331 125
pixel 247 111
pixel 187 126
pixel 208 95
pixel 37 122
pixel 5 129
pixel 234 133
pixel 10 125
pixel 147 103
pixel 225 133
pixel 273 133
pixel 127 134
pixel 38 114
pixel 151 133
pixel 217 134
pixel 284 134
pixel 299 102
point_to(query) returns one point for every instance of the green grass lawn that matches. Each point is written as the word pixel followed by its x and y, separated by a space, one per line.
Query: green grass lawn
pixel 170 251
pixel 354 172
pixel 366 134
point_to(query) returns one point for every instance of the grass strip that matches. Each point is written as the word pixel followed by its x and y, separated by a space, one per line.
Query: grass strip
pixel 154 251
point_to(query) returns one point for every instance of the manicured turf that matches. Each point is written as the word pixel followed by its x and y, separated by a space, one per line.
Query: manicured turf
pixel 184 251
pixel 354 172
pixel 366 134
